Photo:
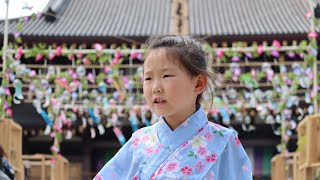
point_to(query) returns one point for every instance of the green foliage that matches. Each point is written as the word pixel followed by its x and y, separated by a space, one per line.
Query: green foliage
pixel 227 75
pixel 260 75
pixel 302 46
pixel 309 59
pixel 208 49
pixel 246 79
pixel 104 58
pixel 100 77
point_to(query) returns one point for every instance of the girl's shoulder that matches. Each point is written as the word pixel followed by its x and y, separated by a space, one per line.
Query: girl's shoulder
pixel 220 130
pixel 217 136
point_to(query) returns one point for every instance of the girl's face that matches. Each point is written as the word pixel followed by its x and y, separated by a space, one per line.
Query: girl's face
pixel 169 90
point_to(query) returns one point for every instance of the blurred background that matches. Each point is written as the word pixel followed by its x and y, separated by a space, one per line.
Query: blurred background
pixel 71 81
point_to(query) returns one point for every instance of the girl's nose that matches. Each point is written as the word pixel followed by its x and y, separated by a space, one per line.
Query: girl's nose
pixel 156 88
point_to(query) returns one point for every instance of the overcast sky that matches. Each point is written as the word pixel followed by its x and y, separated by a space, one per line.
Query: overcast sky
pixel 17 8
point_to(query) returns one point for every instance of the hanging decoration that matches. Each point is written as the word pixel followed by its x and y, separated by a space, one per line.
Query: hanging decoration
pixel 95 87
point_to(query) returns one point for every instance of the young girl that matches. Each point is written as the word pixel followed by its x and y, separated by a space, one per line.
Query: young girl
pixel 183 144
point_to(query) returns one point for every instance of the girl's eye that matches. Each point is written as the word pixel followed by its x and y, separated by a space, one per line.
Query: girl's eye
pixel 167 76
pixel 147 79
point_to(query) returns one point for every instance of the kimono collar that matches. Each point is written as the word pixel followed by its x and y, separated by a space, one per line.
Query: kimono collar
pixel 182 133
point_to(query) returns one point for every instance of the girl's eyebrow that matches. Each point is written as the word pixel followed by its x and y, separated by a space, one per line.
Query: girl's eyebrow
pixel 161 69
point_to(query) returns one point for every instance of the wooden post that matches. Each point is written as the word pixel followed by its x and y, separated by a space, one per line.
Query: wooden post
pixel 296 167
pixel 277 167
pixel 309 133
pixel 11 141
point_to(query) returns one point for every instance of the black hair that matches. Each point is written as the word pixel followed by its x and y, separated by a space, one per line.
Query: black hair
pixel 190 53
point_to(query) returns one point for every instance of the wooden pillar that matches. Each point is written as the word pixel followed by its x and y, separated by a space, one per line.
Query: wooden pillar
pixel 180 17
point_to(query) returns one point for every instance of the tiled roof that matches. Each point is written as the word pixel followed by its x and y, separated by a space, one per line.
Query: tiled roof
pixel 248 17
pixel 100 18
pixel 141 18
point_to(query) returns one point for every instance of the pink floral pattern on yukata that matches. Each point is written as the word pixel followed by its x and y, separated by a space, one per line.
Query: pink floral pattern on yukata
pixel 202 151
pixel 212 158
pixel 195 158
pixel 208 136
pixel 135 142
pixel 237 141
pixel 200 166
pixel 172 166
pixel 186 170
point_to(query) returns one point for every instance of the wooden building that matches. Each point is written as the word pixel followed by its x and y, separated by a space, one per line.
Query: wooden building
pixel 132 22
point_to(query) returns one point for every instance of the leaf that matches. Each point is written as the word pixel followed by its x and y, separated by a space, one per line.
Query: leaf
pixel 309 59
pixel 19 27
pixel 208 49
pixel 84 84
pixel 303 44
pixel 59 137
pixel 100 78
pixel 221 134
pixel 291 76
pixel 229 53
pixel 313 43
pixel 190 155
pixel 214 131
pixel 282 106
pixel 103 59
pixel 261 75
pixel 18 40
pixel 196 156
pixel 33 16
pixel 227 75
pixel 9 100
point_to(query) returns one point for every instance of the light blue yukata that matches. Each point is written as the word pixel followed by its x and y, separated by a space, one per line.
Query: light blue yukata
pixel 197 149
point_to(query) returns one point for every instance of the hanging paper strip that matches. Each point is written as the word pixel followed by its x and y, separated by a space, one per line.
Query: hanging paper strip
pixel 18 89
pixel 94 118
pixel 119 135
pixel 143 117
pixel 133 121
pixel 266 166
pixel 46 118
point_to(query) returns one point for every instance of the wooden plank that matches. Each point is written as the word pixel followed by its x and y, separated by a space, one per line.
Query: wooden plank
pixel 278 167
pixel 11 141
pixel 41 167
pixel 309 132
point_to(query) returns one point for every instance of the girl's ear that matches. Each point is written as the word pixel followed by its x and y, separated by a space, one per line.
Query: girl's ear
pixel 202 81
